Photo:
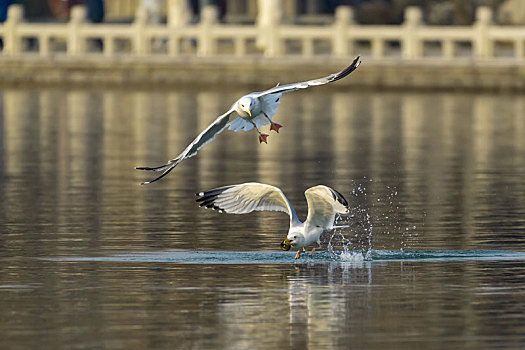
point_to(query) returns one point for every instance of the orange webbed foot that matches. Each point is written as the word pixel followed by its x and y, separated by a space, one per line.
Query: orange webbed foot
pixel 262 138
pixel 275 127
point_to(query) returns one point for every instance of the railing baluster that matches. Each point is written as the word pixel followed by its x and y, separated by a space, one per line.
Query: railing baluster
pixel 308 47
pixel 240 47
pixel 173 45
pixel 109 46
pixel 43 45
pixel 518 49
pixel 447 48
pixel 377 48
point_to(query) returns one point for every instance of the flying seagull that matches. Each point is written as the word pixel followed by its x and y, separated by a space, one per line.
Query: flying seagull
pixel 253 111
pixel 323 203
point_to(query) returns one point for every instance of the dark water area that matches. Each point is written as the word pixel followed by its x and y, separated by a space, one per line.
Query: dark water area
pixel 433 258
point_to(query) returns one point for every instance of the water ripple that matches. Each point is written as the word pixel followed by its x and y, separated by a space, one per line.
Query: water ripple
pixel 267 257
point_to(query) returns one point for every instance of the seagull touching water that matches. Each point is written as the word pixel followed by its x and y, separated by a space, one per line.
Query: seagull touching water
pixel 253 111
pixel 323 203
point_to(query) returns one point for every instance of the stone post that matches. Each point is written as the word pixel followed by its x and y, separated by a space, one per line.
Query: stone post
pixel 482 44
pixel 344 19
pixel 411 46
pixel 15 15
pixel 206 45
pixel 139 27
pixel 268 22
pixel 75 42
pixel 179 14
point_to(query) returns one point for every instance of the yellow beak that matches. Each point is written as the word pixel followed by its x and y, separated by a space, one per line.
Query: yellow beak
pixel 249 113
pixel 285 245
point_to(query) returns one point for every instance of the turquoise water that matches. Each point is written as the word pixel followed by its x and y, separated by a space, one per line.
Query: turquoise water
pixel 262 257
pixel 433 256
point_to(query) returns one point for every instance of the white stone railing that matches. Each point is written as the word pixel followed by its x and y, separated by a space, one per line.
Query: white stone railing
pixel 269 37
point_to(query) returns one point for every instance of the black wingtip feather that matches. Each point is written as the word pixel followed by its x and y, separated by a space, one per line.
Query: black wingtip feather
pixel 207 202
pixel 207 198
pixel 166 172
pixel 214 192
pixel 210 206
pixel 154 168
pixel 168 166
pixel 339 197
pixel 347 70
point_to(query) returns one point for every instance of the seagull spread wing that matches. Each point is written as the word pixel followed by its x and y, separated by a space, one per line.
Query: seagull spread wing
pixel 204 137
pixel 306 84
pixel 323 203
pixel 247 197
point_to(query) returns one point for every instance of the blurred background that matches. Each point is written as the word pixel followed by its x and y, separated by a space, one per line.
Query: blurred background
pixel 367 11
pixel 452 44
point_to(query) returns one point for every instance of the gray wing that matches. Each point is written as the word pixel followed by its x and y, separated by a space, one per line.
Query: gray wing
pixel 202 139
pixel 245 198
pixel 323 203
pixel 306 84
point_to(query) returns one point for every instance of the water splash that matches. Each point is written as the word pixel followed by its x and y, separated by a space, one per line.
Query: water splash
pixel 376 220
pixel 351 256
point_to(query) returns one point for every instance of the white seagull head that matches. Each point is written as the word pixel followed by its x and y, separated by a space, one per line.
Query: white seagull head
pixel 294 239
pixel 244 106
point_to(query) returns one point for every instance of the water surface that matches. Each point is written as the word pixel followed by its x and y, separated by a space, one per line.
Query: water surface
pixel 433 258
